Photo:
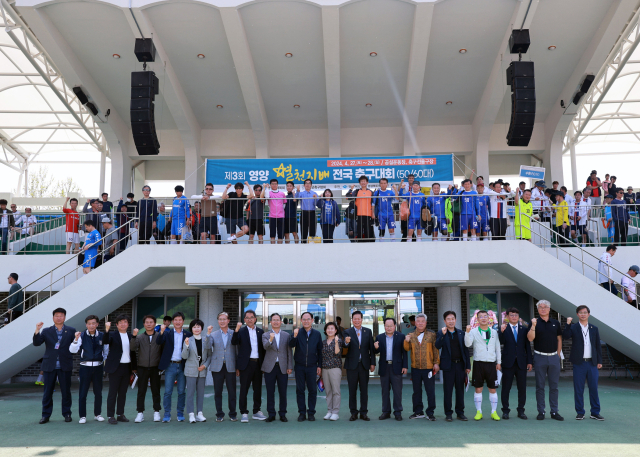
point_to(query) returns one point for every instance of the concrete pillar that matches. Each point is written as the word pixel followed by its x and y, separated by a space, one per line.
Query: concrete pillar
pixel 210 306
pixel 449 299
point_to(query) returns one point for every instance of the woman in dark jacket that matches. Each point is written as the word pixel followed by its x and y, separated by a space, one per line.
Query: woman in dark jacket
pixel 329 215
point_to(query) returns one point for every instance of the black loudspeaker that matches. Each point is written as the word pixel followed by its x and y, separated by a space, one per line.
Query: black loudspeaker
pixel 81 95
pixel 91 107
pixel 144 87
pixel 577 97
pixel 145 50
pixel 586 84
pixel 519 41
pixel 521 78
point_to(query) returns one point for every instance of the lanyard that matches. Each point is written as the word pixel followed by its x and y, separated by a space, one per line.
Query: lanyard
pixel 487 335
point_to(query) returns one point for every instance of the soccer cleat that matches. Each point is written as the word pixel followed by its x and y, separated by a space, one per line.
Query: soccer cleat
pixel 478 415
pixel 494 416
pixel 139 418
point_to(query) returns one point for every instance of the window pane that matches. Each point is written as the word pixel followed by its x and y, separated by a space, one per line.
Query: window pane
pixel 408 308
pixel 149 305
pixel 518 300
pixel 186 305
pixel 487 302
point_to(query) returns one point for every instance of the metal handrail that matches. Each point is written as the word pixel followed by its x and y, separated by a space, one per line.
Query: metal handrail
pixel 50 274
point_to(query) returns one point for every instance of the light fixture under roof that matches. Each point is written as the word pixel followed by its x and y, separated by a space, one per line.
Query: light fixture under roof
pixel 551 48
pixel 373 54
pixel 219 106
pixel 368 105
pixel 200 56
pixel 462 51
pixel 296 106
pixel 288 55
pixel 116 56
pixel 449 102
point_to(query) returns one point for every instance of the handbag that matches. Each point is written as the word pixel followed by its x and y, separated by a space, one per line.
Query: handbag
pixel 320 384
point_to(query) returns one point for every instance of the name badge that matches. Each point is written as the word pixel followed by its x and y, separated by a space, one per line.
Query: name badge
pixel 57 345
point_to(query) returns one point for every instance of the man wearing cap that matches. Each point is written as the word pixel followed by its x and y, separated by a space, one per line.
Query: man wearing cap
pixel 628 284
pixel 630 199
pixel 594 183
pixel 538 198
pixel 110 239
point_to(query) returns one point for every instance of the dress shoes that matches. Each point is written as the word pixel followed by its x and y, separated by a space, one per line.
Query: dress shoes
pixel 522 416
pixel 505 416
pixel 284 419
pixel 122 418
pixel 44 420
pixel 384 416
pixel 67 418
pixel 312 418
pixel 302 418
pixel 354 417
pixel 270 419
pixel 364 417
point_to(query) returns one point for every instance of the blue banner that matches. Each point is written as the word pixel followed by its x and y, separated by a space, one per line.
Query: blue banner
pixel 333 173
pixel 536 173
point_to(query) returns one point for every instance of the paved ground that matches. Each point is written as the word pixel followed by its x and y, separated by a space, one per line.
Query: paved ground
pixel 618 435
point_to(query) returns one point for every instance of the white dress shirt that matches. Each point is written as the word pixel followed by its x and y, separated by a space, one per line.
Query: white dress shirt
pixel 254 343
pixel 494 203
pixel 126 358
pixel 587 341
pixel 538 198
pixel 4 221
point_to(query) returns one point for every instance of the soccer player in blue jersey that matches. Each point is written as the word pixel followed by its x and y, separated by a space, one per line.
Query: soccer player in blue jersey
pixel 484 202
pixel 383 208
pixel 416 200
pixel 469 211
pixel 180 215
pixel 437 206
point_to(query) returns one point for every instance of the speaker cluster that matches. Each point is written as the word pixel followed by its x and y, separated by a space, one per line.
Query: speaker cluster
pixel 144 88
pixel 521 78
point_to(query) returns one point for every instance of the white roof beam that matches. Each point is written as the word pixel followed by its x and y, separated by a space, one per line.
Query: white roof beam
pixel 243 61
pixel 495 89
pixel 331 38
pixel 177 102
pixel 415 79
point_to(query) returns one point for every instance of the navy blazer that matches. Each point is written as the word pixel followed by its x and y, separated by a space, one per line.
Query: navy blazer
pixel 364 350
pixel 242 339
pixel 574 332
pixel 167 339
pixel 442 342
pixel 513 351
pixel 49 337
pixel 115 351
pixel 398 354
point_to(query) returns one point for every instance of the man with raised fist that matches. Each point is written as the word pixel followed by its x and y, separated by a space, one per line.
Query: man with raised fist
pixel 148 360
pixel 277 366
pixel 360 361
pixel 57 362
pixel 308 358
pixel 223 366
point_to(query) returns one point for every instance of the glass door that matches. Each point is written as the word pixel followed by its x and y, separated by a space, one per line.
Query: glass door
pixel 318 308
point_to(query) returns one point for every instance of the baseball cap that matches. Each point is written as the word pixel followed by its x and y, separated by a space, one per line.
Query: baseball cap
pixel 630 187
pixel 105 219
pixel 608 196
pixel 541 184
pixel 635 268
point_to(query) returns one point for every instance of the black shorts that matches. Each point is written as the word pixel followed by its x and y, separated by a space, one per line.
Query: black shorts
pixel 208 225
pixel 484 371
pixel 290 225
pixel 582 229
pixel 256 227
pixel 276 226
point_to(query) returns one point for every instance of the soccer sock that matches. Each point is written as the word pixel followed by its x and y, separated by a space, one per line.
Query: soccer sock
pixel 493 398
pixel 473 238
pixel 477 399
pixel 464 237
pixel 174 242
pixel 40 378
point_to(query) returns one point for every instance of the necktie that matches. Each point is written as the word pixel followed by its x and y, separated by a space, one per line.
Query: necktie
pixel 515 332
pixel 359 340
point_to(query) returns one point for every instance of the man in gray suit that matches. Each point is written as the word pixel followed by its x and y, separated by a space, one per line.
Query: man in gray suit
pixel 277 365
pixel 223 366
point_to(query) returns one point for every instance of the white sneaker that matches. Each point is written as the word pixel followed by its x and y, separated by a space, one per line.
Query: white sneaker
pixel 192 418
pixel 99 418
pixel 139 417
pixel 83 420
pixel 328 416
pixel 200 417
pixel 231 238
pixel 156 416
pixel 245 418
pixel 334 417
pixel 259 416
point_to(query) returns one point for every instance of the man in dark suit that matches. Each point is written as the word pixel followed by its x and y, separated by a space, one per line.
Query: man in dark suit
pixel 359 362
pixel 308 358
pixel 120 362
pixel 57 362
pixel 393 364
pixel 172 364
pixel 249 360
pixel 586 357
pixel 517 360
pixel 454 363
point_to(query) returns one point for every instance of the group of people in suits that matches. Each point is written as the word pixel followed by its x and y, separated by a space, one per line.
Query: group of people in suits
pixel 251 353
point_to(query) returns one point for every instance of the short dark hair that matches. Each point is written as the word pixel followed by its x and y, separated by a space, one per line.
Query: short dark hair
pixel 334 326
pixel 415 182
pixel 91 317
pixel 483 311
pixel 257 186
pixel 363 177
pixel 513 310
pixel 59 310
pixel 555 182
pixel 564 188
pixel 122 317
pixel 614 177
pixel 612 247
pixel 310 182
pixel 306 312
pixel 129 195
pixel 250 311
pixel 179 188
pixel 525 191
pixel 74 199
pixel 103 194
pixel 149 316
pixel 449 313
pixel 208 184
pixel 356 312
pixel 89 222
pixel 581 307
pixel 384 179
pixel 194 323
pixel 275 314
pixel 466 181
pixel 389 318
pixel 436 184
pixel 412 318
pixel 522 182
pixel 178 314
pixel 291 182
pixel 14 275
pixel 167 318
pixel 577 192
pixel 238 185
pixel 411 175
pixel 274 180
pixel 479 177
pixel 3 201
pixel 338 318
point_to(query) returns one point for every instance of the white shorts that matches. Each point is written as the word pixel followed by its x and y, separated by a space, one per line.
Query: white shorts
pixel 73 238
